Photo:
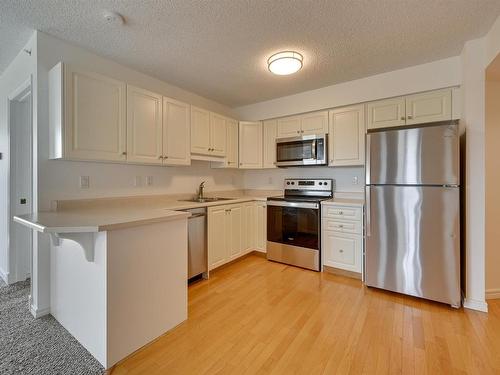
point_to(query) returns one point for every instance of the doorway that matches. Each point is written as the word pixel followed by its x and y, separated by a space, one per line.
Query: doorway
pixel 20 181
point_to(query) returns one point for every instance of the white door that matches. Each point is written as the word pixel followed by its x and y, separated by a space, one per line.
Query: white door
pixel 176 133
pixel 342 251
pixel 428 107
pixel 314 123
pixel 261 230
pixel 288 127
pixel 269 140
pixel 234 231
pixel 232 143
pixel 144 126
pixel 217 236
pixel 386 113
pixel 250 145
pixel 95 116
pixel 200 131
pixel 346 140
pixel 217 135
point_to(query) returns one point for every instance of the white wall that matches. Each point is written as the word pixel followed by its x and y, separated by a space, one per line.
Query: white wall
pixel 272 179
pixel 430 76
pixel 21 69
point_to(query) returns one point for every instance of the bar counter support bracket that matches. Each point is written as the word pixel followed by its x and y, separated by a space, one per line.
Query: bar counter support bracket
pixel 85 240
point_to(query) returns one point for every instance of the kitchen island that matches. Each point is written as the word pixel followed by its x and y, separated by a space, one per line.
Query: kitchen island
pixel 118 277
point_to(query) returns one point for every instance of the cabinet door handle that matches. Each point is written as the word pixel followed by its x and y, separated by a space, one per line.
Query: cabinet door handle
pixel 341 251
pixel 341 226
pixel 160 157
pixel 165 157
pixel 410 117
pixel 124 153
pixel 402 118
pixel 298 131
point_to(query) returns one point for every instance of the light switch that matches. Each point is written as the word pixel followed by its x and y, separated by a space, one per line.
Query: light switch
pixel 84 182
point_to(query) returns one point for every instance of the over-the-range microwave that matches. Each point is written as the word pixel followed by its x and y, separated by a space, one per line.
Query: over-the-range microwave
pixel 301 151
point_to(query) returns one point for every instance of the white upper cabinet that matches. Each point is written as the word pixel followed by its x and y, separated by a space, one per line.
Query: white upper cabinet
pixel 314 123
pixel 200 131
pixel 309 123
pixel 232 143
pixel 176 132
pixel 217 135
pixel 428 107
pixel 144 126
pixel 270 128
pixel 87 114
pixel 346 142
pixel 208 133
pixel 289 127
pixel 412 109
pixel 251 145
pixel 386 113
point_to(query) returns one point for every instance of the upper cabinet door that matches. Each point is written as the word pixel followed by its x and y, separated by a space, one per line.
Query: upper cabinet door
pixel 269 140
pixel 95 116
pixel 314 123
pixel 217 135
pixel 428 107
pixel 232 143
pixel 289 127
pixel 200 131
pixel 144 126
pixel 346 142
pixel 176 133
pixel 386 113
pixel 251 145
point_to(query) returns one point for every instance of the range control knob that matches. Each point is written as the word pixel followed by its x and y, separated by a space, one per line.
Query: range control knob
pixel 288 183
pixel 321 183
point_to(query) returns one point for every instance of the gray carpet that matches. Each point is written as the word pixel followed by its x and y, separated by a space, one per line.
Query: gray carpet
pixel 37 346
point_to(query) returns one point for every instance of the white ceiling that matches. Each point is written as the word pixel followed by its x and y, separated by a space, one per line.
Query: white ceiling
pixel 218 48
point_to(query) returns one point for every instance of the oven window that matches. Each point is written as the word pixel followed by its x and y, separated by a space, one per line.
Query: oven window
pixel 293 226
pixel 294 151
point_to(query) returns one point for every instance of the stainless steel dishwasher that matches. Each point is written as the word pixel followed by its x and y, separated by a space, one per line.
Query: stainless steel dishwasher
pixel 197 242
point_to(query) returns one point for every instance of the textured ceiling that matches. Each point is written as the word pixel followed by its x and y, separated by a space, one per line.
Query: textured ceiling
pixel 218 48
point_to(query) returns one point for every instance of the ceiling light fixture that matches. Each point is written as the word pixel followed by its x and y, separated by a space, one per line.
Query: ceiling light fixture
pixel 113 17
pixel 284 63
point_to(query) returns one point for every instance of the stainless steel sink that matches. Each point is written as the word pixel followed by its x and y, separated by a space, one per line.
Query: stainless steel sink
pixel 205 200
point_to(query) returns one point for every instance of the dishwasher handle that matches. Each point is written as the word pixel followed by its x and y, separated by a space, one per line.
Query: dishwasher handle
pixel 194 216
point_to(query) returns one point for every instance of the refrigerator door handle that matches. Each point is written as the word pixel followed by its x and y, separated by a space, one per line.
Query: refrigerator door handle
pixel 368 212
pixel 368 156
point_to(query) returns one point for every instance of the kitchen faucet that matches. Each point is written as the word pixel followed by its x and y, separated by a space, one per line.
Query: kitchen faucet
pixel 200 190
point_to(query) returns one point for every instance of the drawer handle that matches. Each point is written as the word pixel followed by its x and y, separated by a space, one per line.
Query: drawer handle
pixel 341 251
pixel 341 226
pixel 341 212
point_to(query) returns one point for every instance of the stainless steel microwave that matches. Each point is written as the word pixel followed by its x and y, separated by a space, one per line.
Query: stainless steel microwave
pixel 303 150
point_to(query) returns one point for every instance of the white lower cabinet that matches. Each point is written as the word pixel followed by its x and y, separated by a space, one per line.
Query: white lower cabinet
pixel 342 236
pixel 235 230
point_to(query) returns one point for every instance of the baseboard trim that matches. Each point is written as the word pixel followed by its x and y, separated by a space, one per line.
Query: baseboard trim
pixel 37 313
pixel 4 276
pixel 259 253
pixel 336 271
pixel 493 294
pixel 477 305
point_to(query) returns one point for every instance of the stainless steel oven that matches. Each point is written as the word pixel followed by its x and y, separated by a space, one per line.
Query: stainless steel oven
pixel 294 222
pixel 304 150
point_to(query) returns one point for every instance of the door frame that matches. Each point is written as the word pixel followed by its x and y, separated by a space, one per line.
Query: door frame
pixel 15 272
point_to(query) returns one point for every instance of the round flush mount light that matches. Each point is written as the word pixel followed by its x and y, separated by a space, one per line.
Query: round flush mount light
pixel 285 63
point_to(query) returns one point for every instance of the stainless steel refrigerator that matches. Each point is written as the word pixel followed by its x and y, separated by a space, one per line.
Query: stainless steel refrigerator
pixel 412 211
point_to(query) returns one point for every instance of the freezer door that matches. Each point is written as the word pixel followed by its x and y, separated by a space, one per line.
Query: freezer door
pixel 427 155
pixel 412 241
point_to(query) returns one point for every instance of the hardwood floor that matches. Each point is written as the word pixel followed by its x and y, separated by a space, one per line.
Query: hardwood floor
pixel 259 317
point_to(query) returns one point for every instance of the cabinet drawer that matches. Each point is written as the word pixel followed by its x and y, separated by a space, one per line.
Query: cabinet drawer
pixel 342 251
pixel 342 212
pixel 342 226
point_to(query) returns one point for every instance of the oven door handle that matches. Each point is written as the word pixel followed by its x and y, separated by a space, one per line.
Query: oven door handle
pixel 314 206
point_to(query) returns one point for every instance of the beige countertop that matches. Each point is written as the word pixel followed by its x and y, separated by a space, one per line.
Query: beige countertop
pixel 347 201
pixel 97 217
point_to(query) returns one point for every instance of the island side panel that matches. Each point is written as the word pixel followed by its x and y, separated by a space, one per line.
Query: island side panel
pixel 78 293
pixel 147 284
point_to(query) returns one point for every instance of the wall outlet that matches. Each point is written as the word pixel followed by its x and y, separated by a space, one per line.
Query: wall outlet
pixel 84 182
pixel 149 181
pixel 138 181
pixel 355 180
